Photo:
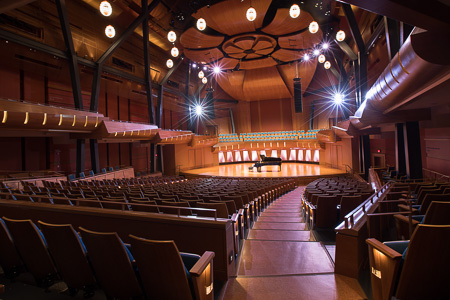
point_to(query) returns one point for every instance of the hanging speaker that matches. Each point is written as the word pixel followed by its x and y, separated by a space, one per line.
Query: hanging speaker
pixel 298 95
pixel 209 100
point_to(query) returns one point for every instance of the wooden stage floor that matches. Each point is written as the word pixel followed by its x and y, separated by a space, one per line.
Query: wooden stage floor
pixel 287 170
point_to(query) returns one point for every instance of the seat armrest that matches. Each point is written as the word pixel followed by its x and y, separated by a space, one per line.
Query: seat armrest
pixel 202 277
pixel 386 250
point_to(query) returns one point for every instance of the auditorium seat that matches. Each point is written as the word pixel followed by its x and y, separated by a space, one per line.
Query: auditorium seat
pixel 438 213
pixel 146 205
pixel 422 264
pixel 165 274
pixel 69 254
pixel 174 211
pixel 347 204
pixel 221 210
pixel 113 264
pixel 326 211
pixel 10 261
pixel 32 248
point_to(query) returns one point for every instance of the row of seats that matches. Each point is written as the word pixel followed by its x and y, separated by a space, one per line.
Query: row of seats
pixel 269 136
pixel 91 173
pixel 419 253
pixel 146 268
pixel 326 201
pixel 246 198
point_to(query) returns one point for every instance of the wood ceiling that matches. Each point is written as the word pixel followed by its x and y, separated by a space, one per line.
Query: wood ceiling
pixel 257 58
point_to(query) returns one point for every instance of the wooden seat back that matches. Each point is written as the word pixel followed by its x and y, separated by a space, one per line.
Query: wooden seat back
pixel 111 264
pixel 69 255
pixel 348 203
pixel 326 211
pixel 174 211
pixel 33 250
pixel 9 258
pixel 162 270
pixel 147 205
pixel 221 210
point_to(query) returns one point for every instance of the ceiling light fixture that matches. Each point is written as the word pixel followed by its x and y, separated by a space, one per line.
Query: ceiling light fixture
pixel 201 74
pixel 321 58
pixel 340 36
pixel 110 31
pixel 172 36
pixel 327 65
pixel 338 98
pixel 306 57
pixel 174 52
pixel 294 11
pixel 201 24
pixel 169 63
pixel 194 65
pixel 105 8
pixel 251 14
pixel 313 27
pixel 216 70
pixel 204 80
pixel 316 52
pixel 325 46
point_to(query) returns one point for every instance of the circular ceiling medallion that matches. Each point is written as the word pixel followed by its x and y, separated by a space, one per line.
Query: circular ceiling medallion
pixel 249 46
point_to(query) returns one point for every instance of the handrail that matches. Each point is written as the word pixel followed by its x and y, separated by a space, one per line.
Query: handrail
pixel 437 173
pixel 355 215
pixel 350 171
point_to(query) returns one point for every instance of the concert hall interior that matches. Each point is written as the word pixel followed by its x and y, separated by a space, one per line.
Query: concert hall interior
pixel 224 149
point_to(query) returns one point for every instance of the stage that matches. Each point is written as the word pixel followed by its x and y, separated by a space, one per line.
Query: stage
pixel 296 170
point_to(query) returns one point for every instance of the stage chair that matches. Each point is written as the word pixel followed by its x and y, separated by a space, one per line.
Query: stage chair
pixel 69 254
pixel 113 264
pixel 221 210
pixel 168 274
pixel 10 261
pixel 32 248
pixel 424 274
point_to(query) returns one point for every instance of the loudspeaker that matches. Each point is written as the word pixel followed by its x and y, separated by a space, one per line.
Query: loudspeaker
pixel 209 103
pixel 298 95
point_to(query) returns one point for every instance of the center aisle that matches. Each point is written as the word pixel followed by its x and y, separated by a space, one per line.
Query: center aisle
pixel 281 260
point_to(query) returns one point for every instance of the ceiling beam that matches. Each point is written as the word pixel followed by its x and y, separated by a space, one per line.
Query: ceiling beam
pixel 8 5
pixel 431 15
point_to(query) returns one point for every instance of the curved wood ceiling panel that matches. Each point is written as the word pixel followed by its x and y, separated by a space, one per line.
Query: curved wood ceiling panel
pixel 263 84
pixel 194 39
pixel 245 43
pixel 231 49
pixel 231 83
pixel 258 63
pixel 283 24
pixel 238 55
pixel 228 63
pixel 253 55
pixel 303 40
pixel 262 43
pixel 228 17
pixel 204 56
pixel 287 55
pixel 306 72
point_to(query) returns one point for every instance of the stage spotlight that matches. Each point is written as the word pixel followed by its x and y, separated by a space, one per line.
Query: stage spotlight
pixel 194 66
pixel 325 46
pixel 306 57
pixel 198 110
pixel 338 98
pixel 216 70
pixel 316 52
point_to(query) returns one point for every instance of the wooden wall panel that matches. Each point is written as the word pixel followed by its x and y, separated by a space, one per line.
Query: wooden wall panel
pixel 10 153
pixel 141 154
pixel 125 154
pixel 35 153
pixel 34 87
pixel 113 154
pixel 255 116
pixel 10 82
pixel 123 109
